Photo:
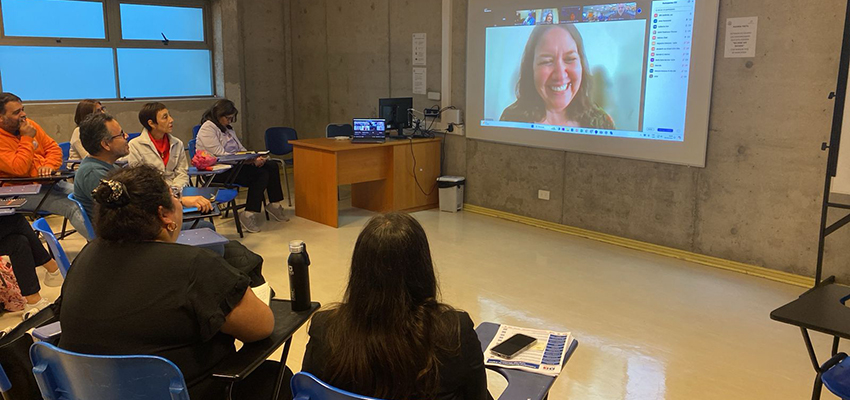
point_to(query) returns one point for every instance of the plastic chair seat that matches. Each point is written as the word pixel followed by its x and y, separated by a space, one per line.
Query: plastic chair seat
pixel 56 250
pixel 86 220
pixel 837 378
pixel 305 386
pixel 63 374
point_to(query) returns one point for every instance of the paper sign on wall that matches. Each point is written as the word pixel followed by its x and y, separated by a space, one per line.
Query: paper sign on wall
pixel 741 37
pixel 419 46
pixel 419 80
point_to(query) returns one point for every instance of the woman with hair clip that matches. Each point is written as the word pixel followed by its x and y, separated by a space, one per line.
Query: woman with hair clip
pixel 84 109
pixel 133 290
pixel 554 82
pixel 216 136
pixel 391 338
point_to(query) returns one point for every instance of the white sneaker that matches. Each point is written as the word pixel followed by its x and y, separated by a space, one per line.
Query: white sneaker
pixel 249 222
pixel 277 212
pixel 32 309
pixel 53 279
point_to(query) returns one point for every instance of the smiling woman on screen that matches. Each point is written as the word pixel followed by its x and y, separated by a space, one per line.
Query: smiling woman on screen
pixel 554 82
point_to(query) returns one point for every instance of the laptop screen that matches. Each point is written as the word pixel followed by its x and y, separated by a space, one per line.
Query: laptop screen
pixel 369 128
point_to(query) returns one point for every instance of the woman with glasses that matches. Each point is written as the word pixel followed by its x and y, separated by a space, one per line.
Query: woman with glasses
pixel 134 290
pixel 216 136
pixel 84 109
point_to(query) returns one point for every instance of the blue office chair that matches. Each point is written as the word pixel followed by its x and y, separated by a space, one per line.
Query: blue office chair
pixel 131 136
pixel 334 130
pixel 195 130
pixel 53 245
pixel 192 149
pixel 305 386
pixel 277 143
pixel 836 377
pixel 63 374
pixel 89 227
pixel 66 152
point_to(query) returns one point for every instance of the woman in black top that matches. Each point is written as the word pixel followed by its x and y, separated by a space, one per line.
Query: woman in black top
pixel 134 290
pixel 391 338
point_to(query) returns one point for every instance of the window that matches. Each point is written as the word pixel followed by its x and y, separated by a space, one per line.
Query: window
pixel 142 22
pixel 109 49
pixel 51 18
pixel 58 73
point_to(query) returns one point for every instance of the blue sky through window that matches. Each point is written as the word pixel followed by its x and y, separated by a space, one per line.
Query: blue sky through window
pixel 144 22
pixel 53 18
pixel 57 73
pixel 164 72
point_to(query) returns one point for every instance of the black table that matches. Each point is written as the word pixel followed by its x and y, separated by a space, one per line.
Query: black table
pixel 49 181
pixel 196 216
pixel 251 355
pixel 820 309
pixel 206 192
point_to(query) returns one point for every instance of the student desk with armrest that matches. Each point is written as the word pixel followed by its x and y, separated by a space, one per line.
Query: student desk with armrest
pixel 381 176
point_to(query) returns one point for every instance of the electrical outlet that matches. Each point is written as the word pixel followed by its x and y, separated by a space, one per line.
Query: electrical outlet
pixel 543 194
pixel 431 112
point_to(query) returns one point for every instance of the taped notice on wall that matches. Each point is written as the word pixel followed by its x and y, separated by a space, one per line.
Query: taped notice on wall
pixel 741 37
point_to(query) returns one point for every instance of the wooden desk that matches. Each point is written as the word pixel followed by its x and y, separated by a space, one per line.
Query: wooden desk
pixel 381 176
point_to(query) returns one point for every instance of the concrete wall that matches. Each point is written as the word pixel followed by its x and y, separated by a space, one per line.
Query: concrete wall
pixel 349 54
pixel 757 201
pixel 266 76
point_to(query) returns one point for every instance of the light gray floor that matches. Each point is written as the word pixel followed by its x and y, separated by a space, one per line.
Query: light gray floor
pixel 649 327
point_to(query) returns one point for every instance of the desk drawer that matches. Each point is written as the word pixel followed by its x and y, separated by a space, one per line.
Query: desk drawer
pixel 364 165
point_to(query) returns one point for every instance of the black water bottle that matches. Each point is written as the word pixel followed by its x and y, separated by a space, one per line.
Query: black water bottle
pixel 299 275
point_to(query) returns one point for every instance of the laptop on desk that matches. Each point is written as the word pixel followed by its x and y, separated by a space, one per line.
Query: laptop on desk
pixel 369 130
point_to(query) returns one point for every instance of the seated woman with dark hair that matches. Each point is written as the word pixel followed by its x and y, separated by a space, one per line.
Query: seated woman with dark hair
pixel 217 137
pixel 554 82
pixel 133 290
pixel 84 109
pixel 391 338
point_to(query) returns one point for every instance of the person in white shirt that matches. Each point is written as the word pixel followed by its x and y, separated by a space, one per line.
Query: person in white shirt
pixel 84 109
pixel 217 137
pixel 157 147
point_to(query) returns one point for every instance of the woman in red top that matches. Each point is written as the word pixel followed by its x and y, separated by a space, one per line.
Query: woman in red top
pixel 158 148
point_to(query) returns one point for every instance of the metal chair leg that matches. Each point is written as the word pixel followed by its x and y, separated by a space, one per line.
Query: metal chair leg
pixel 236 218
pixel 64 225
pixel 286 180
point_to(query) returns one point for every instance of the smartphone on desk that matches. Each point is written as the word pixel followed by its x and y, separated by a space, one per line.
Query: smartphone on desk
pixel 514 345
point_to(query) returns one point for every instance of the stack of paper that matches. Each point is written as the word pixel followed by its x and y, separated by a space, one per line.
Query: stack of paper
pixel 545 357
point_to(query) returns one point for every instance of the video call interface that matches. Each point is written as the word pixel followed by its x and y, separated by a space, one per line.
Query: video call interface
pixel 369 127
pixel 609 69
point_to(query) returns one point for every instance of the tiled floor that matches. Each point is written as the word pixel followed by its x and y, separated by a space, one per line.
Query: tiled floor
pixel 649 327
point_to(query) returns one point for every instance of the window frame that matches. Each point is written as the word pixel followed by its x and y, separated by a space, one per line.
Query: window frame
pixel 114 41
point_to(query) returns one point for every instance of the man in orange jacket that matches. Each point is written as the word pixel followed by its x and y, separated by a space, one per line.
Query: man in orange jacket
pixel 26 151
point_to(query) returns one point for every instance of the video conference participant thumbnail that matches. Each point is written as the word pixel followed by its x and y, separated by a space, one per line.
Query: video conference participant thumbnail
pixel 579 75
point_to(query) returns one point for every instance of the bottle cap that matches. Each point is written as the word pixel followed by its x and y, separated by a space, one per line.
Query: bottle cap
pixel 295 246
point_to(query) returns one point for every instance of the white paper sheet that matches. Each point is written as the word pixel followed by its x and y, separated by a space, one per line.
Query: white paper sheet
pixel 741 37
pixel 545 357
pixel 419 80
pixel 264 292
pixel 420 46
